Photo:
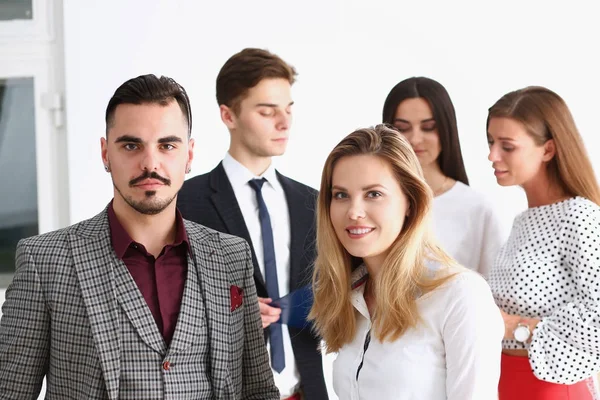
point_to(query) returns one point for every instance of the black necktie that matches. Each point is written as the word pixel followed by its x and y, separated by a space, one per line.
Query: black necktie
pixel 275 331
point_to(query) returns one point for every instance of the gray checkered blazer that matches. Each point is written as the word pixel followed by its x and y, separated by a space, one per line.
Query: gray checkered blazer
pixel 74 315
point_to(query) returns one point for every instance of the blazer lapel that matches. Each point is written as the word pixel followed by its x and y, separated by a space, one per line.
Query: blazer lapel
pixel 135 307
pixel 95 268
pixel 227 207
pixel 189 323
pixel 301 222
pixel 214 281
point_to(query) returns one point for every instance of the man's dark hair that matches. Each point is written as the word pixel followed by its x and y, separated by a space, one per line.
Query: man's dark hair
pixel 149 89
pixel 246 69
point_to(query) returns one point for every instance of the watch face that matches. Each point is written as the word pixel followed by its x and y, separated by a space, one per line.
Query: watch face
pixel 522 334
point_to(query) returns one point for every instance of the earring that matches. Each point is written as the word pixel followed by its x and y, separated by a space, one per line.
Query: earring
pixel 188 170
pixel 106 168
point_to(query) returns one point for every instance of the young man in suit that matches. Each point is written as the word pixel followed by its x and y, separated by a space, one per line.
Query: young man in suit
pixel 136 303
pixel 245 196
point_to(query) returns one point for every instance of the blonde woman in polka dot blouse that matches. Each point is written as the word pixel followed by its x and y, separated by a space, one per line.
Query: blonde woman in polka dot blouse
pixel 546 278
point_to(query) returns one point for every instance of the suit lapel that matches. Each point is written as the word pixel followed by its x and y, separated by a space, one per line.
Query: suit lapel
pixel 301 222
pixel 135 307
pixel 214 281
pixel 191 312
pixel 95 268
pixel 227 207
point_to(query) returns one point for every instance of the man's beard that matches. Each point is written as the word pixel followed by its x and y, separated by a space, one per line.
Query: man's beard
pixel 150 205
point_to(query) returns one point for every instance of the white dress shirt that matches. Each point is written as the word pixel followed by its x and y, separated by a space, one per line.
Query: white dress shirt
pixel 288 380
pixel 466 226
pixel 453 353
pixel 550 270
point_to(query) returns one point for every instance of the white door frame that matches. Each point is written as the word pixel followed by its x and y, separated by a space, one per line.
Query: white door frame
pixel 33 48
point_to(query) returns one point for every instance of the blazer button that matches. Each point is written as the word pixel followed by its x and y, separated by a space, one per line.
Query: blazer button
pixel 166 365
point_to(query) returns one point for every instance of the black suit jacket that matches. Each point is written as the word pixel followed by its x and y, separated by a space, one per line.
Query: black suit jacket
pixel 210 201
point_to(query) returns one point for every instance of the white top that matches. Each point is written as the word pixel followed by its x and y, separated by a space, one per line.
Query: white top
pixel 287 381
pixel 550 270
pixel 453 353
pixel 466 226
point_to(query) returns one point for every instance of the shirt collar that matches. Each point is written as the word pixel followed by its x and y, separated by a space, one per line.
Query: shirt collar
pixel 239 175
pixel 121 239
pixel 359 276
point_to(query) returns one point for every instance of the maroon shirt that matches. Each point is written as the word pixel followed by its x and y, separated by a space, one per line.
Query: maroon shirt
pixel 161 280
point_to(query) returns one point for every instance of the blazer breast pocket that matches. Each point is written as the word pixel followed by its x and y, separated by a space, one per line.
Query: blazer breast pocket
pixel 236 317
pixel 236 297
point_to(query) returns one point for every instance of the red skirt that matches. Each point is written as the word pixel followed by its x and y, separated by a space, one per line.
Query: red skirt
pixel 517 382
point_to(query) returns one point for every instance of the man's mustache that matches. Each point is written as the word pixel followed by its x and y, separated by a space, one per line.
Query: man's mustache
pixel 149 175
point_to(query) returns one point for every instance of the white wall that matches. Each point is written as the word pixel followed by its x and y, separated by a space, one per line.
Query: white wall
pixel 349 54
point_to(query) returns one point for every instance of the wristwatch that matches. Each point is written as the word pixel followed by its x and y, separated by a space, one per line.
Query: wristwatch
pixel 522 333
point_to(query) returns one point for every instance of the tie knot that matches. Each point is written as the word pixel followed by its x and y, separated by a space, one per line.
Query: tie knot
pixel 257 184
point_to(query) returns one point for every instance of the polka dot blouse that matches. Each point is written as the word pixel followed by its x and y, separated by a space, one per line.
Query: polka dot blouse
pixel 549 269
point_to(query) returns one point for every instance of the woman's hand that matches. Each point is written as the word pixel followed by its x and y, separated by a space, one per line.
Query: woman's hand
pixel 511 321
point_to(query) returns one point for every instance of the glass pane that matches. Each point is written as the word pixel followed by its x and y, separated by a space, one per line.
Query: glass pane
pixel 18 196
pixel 15 9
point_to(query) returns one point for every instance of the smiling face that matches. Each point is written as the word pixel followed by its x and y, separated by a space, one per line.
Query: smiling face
pixel 368 207
pixel 148 152
pixel 515 157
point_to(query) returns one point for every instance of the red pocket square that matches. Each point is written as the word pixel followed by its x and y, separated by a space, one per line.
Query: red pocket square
pixel 236 297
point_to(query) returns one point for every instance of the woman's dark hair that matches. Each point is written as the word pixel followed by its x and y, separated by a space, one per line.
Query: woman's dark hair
pixel 450 160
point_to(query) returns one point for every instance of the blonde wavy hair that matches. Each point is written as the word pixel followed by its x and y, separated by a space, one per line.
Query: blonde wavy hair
pixel 545 116
pixel 404 274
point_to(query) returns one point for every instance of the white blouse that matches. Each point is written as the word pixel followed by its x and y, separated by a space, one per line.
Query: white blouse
pixel 467 227
pixel 453 353
pixel 550 270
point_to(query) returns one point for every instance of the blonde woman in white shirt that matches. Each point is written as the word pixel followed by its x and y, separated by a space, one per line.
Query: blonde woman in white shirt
pixel 464 222
pixel 546 278
pixel 406 320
